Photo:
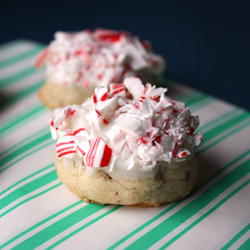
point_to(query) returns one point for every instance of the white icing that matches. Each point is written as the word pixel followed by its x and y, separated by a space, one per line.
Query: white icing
pixel 91 59
pixel 127 136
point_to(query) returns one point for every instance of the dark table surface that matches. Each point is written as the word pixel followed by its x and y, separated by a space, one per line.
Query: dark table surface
pixel 205 43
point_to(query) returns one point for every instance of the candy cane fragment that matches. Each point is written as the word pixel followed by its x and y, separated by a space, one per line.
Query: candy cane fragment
pixel 110 35
pixel 41 58
pixel 99 154
pixel 66 146
pixel 117 89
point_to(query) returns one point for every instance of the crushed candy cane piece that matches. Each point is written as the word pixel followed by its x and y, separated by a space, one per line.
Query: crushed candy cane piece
pixel 66 147
pixel 41 58
pixel 116 89
pixel 99 154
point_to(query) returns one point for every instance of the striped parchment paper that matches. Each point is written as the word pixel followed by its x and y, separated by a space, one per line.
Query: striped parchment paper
pixel 38 212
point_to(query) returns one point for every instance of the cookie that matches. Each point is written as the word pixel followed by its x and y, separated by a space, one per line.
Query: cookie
pixel 127 145
pixel 78 62
pixel 171 182
pixel 54 95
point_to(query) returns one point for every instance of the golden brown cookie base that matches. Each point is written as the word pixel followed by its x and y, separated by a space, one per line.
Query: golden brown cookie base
pixel 168 185
pixel 54 95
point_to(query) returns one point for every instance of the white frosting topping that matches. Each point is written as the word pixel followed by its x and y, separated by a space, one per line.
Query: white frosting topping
pixel 129 129
pixel 97 58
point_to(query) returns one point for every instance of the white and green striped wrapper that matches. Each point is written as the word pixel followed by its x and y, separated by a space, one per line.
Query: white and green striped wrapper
pixel 38 212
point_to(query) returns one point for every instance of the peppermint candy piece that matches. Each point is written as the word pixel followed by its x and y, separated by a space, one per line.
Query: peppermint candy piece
pixel 101 94
pixel 41 58
pixel 80 132
pixel 53 130
pixel 153 92
pixel 84 54
pixel 194 123
pixel 165 101
pixel 144 109
pixel 180 105
pixel 61 114
pixel 183 153
pixel 105 110
pixel 110 35
pixel 135 87
pixel 99 154
pixel 117 89
pixel 66 147
pixel 197 139
pixel 119 146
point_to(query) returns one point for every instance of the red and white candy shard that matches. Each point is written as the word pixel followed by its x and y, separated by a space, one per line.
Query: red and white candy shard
pixel 101 94
pixel 112 131
pixel 91 59
pixel 99 154
pixel 154 93
pixel 80 132
pixel 62 125
pixel 41 58
pixel 66 147
pixel 53 130
pixel 110 35
pixel 117 89
pixel 198 138
pixel 62 114
pixel 182 153
pixel 135 87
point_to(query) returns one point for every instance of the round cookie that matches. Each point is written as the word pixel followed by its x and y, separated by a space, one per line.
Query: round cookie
pixel 127 145
pixel 78 62
pixel 54 95
pixel 169 184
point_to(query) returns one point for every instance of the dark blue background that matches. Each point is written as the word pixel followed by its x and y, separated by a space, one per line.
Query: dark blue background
pixel 206 43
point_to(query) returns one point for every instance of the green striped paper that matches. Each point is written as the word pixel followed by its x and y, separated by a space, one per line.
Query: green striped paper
pixel 38 211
